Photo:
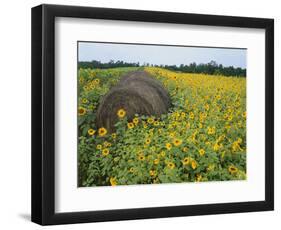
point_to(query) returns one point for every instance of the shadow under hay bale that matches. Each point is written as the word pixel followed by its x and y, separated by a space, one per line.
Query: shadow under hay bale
pixel 136 93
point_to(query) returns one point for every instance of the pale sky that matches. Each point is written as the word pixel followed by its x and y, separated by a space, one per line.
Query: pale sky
pixel 165 55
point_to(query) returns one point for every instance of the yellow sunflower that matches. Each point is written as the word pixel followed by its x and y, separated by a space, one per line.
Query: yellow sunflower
pixel 152 173
pixel 191 115
pixel 168 146
pixel 210 167
pixel 201 152
pixel 236 146
pixel 91 132
pixel 232 169
pixel 207 107
pixel 172 134
pixel 130 125
pixel 105 152
pixel 156 123
pixel 141 157
pixel 216 147
pixel 156 161
pixel 136 120
pixel 84 100
pixel 186 161
pixel 177 142
pixel 107 144
pixel 97 81
pixel 185 149
pixel 147 141
pixel 81 111
pixel 198 177
pixel 193 164
pixel 171 165
pixel 113 181
pixel 121 113
pixel 102 131
pixel 230 117
pixel 211 130
pixel 218 97
pixel 150 120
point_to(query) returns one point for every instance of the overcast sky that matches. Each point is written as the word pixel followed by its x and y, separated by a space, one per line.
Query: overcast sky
pixel 166 55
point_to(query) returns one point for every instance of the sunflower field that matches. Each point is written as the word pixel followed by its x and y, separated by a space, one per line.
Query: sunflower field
pixel 202 138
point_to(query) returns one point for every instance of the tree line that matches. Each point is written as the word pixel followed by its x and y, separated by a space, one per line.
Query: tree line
pixel 211 68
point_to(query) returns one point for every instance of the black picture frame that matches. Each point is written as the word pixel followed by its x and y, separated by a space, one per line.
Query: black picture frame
pixel 43 114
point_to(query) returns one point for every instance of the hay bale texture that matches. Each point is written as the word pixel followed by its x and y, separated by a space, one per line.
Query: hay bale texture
pixel 136 93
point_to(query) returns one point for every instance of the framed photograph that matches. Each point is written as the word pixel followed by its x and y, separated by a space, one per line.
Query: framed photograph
pixel 142 114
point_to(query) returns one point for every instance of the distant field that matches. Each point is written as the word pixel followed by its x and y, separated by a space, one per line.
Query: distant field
pixel 202 138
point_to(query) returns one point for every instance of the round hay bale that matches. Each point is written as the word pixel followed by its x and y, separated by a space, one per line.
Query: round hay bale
pixel 138 78
pixel 136 93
